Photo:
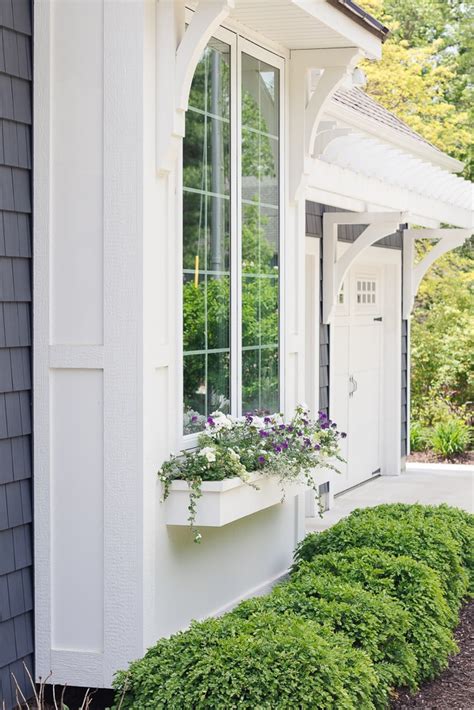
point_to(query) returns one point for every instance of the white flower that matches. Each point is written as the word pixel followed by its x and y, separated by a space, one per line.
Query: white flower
pixel 209 454
pixel 258 422
pixel 234 455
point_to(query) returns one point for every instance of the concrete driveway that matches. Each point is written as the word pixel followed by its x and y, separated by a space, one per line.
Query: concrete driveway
pixel 430 484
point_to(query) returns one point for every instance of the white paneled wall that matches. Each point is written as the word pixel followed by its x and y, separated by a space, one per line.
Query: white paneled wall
pixel 111 578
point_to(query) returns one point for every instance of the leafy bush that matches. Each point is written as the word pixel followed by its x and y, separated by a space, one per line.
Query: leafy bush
pixel 450 521
pixel 373 622
pixel 450 438
pixel 413 584
pixel 419 436
pixel 264 662
pixel 420 538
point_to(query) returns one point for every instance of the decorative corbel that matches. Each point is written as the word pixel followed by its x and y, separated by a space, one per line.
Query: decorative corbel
pixel 175 67
pixel 379 225
pixel 308 106
pixel 413 273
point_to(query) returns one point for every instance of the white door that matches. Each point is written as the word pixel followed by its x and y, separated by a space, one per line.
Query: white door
pixel 356 346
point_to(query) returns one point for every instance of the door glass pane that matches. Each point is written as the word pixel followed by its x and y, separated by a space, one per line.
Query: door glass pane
pixel 260 110
pixel 206 240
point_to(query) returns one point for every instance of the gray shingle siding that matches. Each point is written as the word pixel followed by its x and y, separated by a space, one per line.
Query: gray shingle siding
pixel 346 233
pixel 16 552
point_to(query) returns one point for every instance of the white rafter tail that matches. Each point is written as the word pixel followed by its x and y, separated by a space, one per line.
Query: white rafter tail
pixel 379 225
pixel 178 53
pixel 413 273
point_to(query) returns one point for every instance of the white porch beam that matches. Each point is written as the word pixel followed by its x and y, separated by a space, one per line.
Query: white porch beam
pixel 177 54
pixel 413 273
pixel 379 225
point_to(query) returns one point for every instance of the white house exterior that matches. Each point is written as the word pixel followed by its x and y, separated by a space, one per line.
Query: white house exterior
pixel 325 174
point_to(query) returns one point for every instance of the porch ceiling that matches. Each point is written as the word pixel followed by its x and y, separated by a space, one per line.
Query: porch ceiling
pixel 306 24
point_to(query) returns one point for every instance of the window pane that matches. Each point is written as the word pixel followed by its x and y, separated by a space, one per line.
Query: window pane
pixel 206 240
pixel 260 235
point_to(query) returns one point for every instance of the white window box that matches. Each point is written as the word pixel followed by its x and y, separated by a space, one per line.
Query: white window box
pixel 222 502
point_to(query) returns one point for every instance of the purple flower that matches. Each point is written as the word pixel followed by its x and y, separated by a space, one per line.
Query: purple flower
pixel 334 425
pixel 317 447
pixel 194 418
pixel 263 433
pixel 307 442
pixel 325 425
pixel 267 420
pixel 278 448
pixel 322 415
pixel 261 459
pixel 343 434
pixel 210 421
pixel 285 444
pixel 282 427
pixel 305 422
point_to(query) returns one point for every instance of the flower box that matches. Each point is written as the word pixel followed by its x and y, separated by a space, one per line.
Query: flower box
pixel 223 502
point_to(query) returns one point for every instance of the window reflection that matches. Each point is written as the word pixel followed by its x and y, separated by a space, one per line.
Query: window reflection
pixel 260 236
pixel 206 240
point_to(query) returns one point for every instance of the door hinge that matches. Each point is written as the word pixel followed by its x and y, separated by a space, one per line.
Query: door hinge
pixel 379 319
pixel 377 470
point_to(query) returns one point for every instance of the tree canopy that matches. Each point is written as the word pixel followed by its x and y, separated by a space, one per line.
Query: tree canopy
pixel 426 75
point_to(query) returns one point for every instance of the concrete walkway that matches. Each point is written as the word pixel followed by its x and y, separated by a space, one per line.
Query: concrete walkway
pixel 430 484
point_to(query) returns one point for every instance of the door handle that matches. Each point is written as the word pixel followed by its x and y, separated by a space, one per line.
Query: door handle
pixel 352 383
pixel 356 385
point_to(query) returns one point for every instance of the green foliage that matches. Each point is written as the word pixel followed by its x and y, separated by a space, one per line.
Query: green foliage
pixel 352 624
pixel 442 339
pixel 451 438
pixel 426 73
pixel 449 521
pixel 420 538
pixel 419 437
pixel 265 662
pixel 413 584
pixel 373 622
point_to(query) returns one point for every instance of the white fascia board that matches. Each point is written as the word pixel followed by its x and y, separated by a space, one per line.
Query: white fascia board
pixel 347 184
pixel 333 18
pixel 354 119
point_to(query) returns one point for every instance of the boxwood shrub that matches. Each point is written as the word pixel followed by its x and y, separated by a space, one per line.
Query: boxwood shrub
pixel 266 662
pixel 375 623
pixel 451 521
pixel 413 584
pixel 420 537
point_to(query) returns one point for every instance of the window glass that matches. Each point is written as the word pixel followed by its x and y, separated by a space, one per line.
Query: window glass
pixel 206 240
pixel 260 109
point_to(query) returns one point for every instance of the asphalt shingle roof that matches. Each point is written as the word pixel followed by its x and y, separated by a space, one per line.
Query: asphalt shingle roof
pixel 359 101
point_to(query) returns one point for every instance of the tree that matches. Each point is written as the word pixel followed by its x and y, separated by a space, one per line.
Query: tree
pixel 426 74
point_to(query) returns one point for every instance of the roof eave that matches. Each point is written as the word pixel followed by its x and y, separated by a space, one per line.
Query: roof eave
pixel 362 18
pixel 416 147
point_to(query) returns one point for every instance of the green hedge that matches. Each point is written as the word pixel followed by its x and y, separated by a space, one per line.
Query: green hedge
pixel 450 521
pixel 420 537
pixel 370 606
pixel 413 584
pixel 265 662
pixel 373 622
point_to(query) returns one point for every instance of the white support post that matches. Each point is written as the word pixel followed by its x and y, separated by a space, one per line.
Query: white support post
pixel 379 225
pixel 413 273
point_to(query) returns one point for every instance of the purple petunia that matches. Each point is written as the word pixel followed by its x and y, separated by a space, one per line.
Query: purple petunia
pixel 282 427
pixel 277 448
pixel 263 433
pixel 343 434
pixel 317 447
pixel 334 425
pixel 261 459
pixel 194 418
pixel 210 421
pixel 285 444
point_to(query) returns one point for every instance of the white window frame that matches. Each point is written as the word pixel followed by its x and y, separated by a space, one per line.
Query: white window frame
pixel 238 45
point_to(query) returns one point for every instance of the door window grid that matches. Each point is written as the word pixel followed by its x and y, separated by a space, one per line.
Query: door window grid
pixel 366 292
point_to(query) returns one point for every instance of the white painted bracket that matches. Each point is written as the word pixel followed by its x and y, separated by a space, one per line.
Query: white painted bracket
pixel 379 225
pixel 307 106
pixel 178 51
pixel 448 239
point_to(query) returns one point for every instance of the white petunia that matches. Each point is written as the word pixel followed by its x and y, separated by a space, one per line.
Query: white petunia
pixel 209 454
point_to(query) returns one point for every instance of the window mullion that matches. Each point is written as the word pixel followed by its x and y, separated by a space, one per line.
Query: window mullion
pixel 236 232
